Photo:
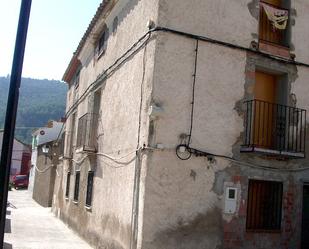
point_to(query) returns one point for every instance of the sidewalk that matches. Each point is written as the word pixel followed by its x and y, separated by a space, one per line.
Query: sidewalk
pixel 30 226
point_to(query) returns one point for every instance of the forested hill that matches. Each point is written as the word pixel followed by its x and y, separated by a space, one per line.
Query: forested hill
pixel 40 101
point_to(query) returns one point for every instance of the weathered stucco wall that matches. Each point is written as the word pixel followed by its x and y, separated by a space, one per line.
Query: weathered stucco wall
pixel 184 200
pixel 300 32
pixel 44 179
pixel 179 204
pixel 233 21
pixel 214 19
pixel 123 114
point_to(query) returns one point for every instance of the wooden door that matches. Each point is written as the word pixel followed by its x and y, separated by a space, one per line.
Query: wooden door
pixel 264 109
pixel 266 31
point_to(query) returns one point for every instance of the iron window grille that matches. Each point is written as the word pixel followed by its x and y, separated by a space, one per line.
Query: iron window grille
pixel 67 189
pixel 76 188
pixel 87 132
pixel 89 188
pixel 274 129
pixel 264 210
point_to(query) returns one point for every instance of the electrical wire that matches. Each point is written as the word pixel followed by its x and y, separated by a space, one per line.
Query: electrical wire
pixel 207 154
pixel 230 45
pixel 140 43
pixel 112 68
pixel 109 71
pixel 193 93
pixel 43 170
pixel 80 161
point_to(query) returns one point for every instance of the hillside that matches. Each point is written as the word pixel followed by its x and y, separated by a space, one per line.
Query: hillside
pixel 40 101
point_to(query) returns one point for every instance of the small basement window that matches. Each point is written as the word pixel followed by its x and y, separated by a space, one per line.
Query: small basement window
pixel 89 189
pixel 76 188
pixel 264 208
pixel 67 189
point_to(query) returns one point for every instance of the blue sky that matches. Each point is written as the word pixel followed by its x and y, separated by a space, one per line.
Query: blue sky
pixel 55 29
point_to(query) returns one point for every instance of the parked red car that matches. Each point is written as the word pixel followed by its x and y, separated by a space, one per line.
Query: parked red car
pixel 20 181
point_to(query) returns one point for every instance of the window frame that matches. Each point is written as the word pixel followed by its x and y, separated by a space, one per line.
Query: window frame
pixel 89 190
pixel 258 213
pixel 67 187
pixel 76 186
pixel 101 44
pixel 285 40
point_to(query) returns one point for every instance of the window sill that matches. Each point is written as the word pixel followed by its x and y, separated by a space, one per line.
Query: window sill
pixel 276 153
pixel 83 150
pixel 79 150
pixel 263 231
pixel 67 198
pixel 274 49
pixel 100 54
pixel 75 202
pixel 88 208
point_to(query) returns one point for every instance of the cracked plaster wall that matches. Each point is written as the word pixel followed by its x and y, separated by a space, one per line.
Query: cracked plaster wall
pixel 184 200
pixel 108 223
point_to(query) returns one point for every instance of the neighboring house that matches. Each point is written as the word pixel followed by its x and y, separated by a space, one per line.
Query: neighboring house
pixel 51 132
pixel 186 126
pixel 21 155
pixel 44 179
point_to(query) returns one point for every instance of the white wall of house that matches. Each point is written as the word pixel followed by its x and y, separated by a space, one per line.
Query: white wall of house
pixel 110 220
pixel 181 203
pixel 18 150
pixel 42 135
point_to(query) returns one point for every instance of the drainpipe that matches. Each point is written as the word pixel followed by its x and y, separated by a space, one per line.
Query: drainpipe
pixel 10 118
pixel 135 206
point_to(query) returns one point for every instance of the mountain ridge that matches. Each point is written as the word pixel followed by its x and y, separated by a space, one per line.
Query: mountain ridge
pixel 40 100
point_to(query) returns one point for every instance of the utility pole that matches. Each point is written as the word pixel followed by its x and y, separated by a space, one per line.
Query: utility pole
pixel 11 110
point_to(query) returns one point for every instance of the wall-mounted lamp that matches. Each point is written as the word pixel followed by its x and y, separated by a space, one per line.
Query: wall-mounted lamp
pixel 45 149
pixel 46 152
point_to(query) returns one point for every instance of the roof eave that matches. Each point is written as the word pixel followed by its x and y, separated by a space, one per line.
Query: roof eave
pixel 71 69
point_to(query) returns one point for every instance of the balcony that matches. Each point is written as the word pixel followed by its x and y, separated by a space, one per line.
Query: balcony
pixel 274 129
pixel 273 25
pixel 87 133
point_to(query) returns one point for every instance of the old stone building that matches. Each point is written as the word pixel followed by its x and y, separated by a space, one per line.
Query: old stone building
pixel 186 126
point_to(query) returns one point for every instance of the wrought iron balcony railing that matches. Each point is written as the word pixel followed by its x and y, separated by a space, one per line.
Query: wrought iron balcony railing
pixel 274 129
pixel 87 132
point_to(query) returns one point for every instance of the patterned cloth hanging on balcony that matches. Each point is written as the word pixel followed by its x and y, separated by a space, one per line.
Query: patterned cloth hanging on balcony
pixel 278 17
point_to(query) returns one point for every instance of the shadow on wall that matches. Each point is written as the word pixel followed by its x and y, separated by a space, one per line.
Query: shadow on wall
pixel 7 246
pixel 204 231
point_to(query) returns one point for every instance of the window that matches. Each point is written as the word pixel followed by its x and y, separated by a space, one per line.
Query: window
pixel 61 144
pixel 76 79
pixel 72 134
pixel 101 43
pixel 89 188
pixel 88 126
pixel 273 22
pixel 67 189
pixel 271 125
pixel 115 24
pixel 264 205
pixel 76 188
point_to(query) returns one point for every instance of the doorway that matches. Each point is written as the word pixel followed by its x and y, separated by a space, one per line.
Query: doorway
pixel 305 218
pixel 265 111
